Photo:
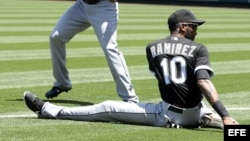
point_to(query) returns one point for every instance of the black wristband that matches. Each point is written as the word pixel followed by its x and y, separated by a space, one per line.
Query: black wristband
pixel 220 109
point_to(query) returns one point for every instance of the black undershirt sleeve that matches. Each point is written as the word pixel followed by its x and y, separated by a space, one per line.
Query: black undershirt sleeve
pixel 202 74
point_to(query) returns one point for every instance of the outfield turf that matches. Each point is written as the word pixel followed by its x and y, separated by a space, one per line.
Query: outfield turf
pixel 25 65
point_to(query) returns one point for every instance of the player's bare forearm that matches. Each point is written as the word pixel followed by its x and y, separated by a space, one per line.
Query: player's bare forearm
pixel 208 90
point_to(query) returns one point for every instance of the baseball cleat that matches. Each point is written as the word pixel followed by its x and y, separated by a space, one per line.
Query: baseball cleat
pixel 173 125
pixel 54 92
pixel 33 102
pixel 211 120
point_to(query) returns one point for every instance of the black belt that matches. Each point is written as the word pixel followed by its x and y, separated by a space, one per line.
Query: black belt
pixel 175 109
pixel 92 1
pixel 96 1
pixel 178 109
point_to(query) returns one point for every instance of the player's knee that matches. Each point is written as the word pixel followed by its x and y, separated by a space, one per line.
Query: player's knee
pixel 56 38
pixel 54 34
pixel 106 102
pixel 107 105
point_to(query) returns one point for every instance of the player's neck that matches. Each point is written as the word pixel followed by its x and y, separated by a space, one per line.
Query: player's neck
pixel 175 34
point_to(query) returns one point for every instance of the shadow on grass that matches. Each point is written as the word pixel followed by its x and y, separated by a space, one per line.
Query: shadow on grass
pixel 62 101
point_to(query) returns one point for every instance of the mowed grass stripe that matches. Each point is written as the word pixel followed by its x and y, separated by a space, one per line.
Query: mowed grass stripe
pixel 125 10
pixel 13 22
pixel 34 4
pixel 124 20
pixel 44 78
pixel 142 26
pixel 93 51
pixel 127 15
pixel 122 28
pixel 134 36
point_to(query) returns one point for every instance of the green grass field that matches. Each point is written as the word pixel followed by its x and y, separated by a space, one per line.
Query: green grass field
pixel 25 65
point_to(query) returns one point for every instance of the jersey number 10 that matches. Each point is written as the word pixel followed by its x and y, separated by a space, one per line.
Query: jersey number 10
pixel 176 71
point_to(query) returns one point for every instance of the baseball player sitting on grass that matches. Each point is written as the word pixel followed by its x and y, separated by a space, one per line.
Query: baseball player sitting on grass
pixel 182 68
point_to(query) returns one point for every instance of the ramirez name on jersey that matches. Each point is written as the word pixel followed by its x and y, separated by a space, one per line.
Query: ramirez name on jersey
pixel 172 48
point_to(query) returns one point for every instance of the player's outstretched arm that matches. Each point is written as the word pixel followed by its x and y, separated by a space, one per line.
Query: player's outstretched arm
pixel 210 93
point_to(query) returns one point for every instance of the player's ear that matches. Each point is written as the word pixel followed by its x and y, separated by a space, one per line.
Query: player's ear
pixel 181 28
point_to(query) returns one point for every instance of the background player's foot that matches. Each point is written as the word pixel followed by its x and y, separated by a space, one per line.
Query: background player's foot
pixel 33 102
pixel 55 91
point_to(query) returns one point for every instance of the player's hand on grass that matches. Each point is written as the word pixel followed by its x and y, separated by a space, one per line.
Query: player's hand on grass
pixel 229 121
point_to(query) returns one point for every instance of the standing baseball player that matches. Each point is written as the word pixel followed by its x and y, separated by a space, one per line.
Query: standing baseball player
pixel 102 15
pixel 183 71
